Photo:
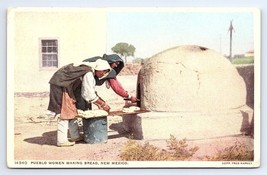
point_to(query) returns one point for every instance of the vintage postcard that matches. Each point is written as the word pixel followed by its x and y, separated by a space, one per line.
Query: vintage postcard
pixel 133 87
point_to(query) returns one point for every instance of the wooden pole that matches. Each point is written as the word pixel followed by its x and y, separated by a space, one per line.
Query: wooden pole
pixel 231 28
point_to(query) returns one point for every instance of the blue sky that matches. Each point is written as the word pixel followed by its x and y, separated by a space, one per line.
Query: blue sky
pixel 153 32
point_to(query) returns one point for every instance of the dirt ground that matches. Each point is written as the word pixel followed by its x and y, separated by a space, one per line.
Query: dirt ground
pixel 35 134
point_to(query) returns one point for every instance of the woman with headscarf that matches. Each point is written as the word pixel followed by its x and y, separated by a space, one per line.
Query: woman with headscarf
pixel 63 85
pixel 117 64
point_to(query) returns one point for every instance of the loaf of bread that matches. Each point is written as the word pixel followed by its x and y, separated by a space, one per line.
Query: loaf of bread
pixel 130 109
pixel 92 113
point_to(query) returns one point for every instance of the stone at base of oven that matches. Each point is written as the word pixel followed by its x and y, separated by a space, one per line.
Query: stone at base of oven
pixel 189 125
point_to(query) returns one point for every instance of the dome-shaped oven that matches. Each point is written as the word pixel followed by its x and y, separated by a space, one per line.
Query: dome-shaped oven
pixel 190 78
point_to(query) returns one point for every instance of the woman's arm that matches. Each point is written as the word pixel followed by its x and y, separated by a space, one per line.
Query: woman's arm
pixel 118 89
pixel 88 87
pixel 89 93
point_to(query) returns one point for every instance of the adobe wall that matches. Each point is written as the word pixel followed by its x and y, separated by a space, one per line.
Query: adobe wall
pixel 247 73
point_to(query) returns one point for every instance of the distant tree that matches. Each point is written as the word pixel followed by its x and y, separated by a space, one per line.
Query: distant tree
pixel 124 49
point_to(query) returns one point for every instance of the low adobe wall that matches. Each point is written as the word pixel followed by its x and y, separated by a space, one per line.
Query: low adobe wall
pixel 247 72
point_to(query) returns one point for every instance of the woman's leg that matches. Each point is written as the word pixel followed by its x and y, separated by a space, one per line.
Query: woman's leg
pixel 62 133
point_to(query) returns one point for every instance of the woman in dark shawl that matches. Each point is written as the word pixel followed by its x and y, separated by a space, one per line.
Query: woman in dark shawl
pixel 117 64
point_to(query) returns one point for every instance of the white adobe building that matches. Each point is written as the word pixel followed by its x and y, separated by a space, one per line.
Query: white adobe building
pixel 41 40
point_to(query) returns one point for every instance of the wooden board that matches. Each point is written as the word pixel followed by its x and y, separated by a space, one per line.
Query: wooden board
pixel 112 113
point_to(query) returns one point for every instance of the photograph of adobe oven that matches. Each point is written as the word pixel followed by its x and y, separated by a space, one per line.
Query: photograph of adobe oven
pixel 191 92
pixel 188 83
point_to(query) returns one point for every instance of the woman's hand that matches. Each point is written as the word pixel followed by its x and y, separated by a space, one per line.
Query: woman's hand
pixel 133 99
pixel 106 107
pixel 101 104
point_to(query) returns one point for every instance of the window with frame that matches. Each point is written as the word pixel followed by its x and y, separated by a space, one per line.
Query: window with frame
pixel 49 53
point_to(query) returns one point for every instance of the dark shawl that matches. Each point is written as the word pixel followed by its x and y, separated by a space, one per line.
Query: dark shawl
pixel 67 79
pixel 110 59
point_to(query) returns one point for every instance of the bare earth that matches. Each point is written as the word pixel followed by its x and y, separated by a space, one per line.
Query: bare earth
pixel 35 135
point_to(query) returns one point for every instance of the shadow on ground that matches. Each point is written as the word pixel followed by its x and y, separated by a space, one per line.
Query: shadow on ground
pixel 47 138
pixel 50 138
pixel 118 127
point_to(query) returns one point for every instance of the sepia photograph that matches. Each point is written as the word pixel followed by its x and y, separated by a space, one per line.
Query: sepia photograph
pixel 142 87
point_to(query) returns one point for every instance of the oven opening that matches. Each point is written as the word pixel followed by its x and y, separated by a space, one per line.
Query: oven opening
pixel 138 95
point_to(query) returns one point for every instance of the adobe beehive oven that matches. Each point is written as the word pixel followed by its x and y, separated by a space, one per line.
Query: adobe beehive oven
pixel 192 92
pixel 190 78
